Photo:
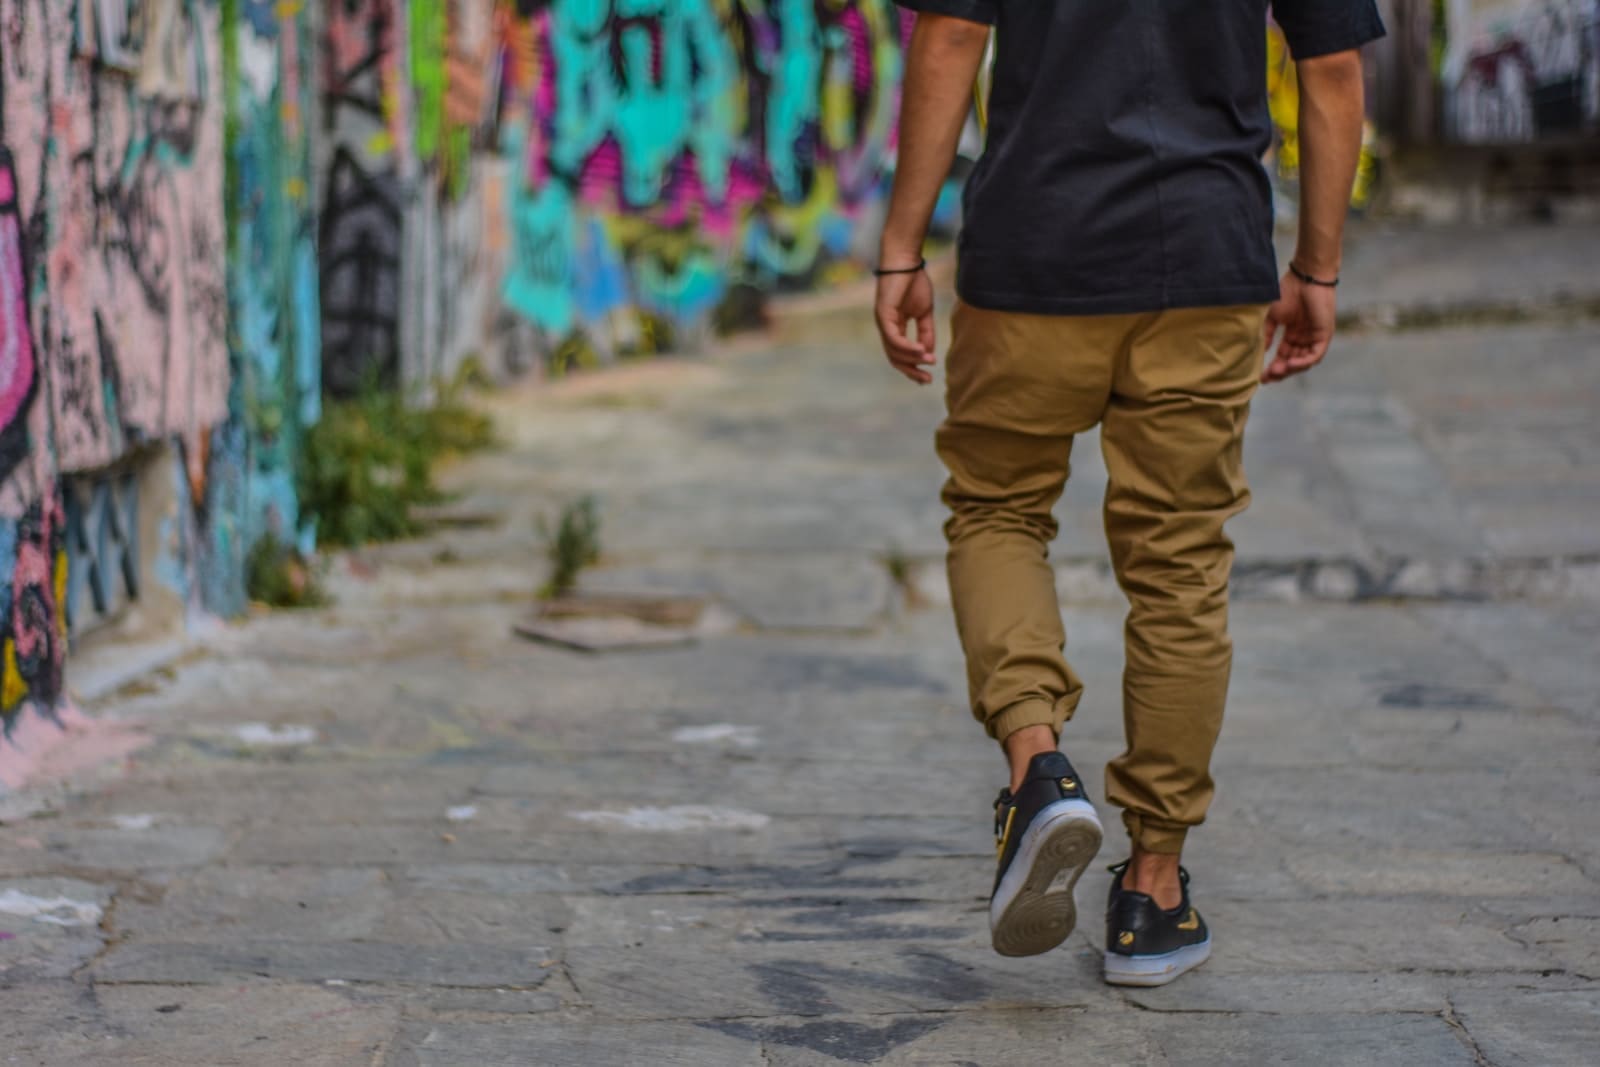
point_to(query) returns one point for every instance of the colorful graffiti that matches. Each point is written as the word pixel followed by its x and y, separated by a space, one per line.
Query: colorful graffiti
pixel 506 174
pixel 366 119
pixel 1521 70
pixel 33 631
pixel 112 292
pixel 273 328
pixel 19 379
pixel 663 150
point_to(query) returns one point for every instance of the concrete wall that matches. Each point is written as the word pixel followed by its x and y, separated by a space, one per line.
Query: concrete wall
pixel 160 332
pixel 112 240
pixel 274 332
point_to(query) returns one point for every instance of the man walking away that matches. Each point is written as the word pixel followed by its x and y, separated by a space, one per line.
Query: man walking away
pixel 1115 268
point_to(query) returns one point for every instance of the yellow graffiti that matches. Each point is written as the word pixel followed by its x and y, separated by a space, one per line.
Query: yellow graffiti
pixel 12 688
pixel 1283 103
pixel 796 229
pixel 60 583
pixel 1283 100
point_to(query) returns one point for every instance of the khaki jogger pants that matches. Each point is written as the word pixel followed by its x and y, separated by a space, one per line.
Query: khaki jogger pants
pixel 1170 391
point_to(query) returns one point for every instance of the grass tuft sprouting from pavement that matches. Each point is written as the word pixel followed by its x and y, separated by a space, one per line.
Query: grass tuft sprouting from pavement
pixel 573 545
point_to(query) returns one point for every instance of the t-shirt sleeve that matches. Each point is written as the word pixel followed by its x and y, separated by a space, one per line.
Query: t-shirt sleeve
pixel 984 11
pixel 1321 27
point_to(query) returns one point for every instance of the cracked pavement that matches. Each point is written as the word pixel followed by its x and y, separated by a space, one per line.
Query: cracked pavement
pixel 392 832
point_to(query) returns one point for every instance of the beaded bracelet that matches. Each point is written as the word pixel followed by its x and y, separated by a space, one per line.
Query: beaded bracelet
pixel 880 271
pixel 1309 280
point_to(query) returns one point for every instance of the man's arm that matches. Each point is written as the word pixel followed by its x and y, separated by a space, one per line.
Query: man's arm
pixel 941 66
pixel 1331 114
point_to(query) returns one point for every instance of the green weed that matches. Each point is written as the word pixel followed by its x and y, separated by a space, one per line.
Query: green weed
pixel 369 461
pixel 574 545
pixel 276 574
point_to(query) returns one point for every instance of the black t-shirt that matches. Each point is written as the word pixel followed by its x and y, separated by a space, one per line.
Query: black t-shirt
pixel 1122 170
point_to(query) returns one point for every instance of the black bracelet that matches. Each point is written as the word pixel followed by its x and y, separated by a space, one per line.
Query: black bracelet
pixel 880 271
pixel 1309 280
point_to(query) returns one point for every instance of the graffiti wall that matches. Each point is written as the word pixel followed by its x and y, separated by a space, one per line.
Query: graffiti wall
pixel 1521 70
pixel 366 169
pixel 664 150
pixel 506 175
pixel 111 262
pixel 273 329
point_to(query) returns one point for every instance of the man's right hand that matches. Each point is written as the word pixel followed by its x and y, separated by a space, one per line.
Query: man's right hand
pixel 904 299
pixel 1305 315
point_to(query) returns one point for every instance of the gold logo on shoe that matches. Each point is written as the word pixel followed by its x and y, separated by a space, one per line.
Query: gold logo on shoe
pixel 1125 938
pixel 1068 784
pixel 1192 922
pixel 1000 841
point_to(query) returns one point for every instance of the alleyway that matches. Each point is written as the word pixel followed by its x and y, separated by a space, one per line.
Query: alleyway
pixel 392 832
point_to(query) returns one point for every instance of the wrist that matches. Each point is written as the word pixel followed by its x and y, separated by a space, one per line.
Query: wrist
pixel 893 254
pixel 1320 265
pixel 1306 277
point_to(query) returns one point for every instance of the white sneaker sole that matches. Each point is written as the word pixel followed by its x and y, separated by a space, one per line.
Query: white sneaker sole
pixel 1155 970
pixel 1025 916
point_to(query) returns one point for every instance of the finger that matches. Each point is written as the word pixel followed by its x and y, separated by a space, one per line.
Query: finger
pixel 925 335
pixel 1273 370
pixel 915 373
pixel 892 328
pixel 910 366
pixel 906 364
pixel 1305 360
pixel 1269 331
pixel 1301 357
pixel 1277 370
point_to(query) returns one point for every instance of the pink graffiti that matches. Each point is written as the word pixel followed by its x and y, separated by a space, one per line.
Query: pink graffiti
pixel 17 371
pixel 855 24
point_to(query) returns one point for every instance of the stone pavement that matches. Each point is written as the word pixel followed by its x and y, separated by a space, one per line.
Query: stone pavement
pixel 391 832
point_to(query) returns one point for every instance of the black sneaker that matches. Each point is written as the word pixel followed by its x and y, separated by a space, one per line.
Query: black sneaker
pixel 1146 945
pixel 1046 829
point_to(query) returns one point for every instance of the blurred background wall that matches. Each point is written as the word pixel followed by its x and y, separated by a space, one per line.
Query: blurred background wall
pixel 215 213
pixel 591 177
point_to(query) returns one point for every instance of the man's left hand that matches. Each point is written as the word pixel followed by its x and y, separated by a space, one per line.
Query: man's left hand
pixel 1305 316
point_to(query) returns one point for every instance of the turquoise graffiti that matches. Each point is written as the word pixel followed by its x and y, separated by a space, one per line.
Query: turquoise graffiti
pixel 665 152
pixel 273 336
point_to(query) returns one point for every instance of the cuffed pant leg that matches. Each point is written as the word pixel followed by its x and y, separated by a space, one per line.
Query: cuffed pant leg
pixel 1018 388
pixel 1172 437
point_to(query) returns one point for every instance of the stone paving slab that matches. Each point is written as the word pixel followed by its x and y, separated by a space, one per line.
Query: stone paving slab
pixel 249 1023
pixel 182 963
pixel 592 1043
pixel 828 978
pixel 1317 1041
pixel 1526 1027
pixel 49 927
